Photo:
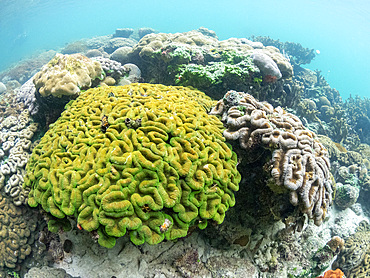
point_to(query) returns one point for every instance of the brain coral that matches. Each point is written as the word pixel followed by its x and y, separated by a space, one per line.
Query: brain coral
pixel 299 164
pixel 140 159
pixel 66 75
pixel 354 259
pixel 16 227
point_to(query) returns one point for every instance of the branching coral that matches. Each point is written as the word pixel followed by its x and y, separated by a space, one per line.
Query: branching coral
pixel 358 113
pixel 298 54
pixel 299 164
pixel 159 166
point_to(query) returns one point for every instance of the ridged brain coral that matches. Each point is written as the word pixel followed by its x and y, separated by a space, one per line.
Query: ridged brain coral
pixel 299 164
pixel 140 159
pixel 354 259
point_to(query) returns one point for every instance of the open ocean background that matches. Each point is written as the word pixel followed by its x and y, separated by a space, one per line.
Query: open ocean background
pixel 339 29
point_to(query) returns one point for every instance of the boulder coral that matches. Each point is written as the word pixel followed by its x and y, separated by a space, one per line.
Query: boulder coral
pixel 141 159
pixel 202 61
pixel 299 163
pixel 66 75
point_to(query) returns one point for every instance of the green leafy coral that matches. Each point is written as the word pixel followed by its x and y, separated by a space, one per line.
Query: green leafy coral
pixel 152 180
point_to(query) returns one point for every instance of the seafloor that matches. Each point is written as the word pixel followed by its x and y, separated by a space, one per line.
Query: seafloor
pixel 217 158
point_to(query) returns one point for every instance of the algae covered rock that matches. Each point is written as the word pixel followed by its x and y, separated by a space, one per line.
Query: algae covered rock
pixel 141 159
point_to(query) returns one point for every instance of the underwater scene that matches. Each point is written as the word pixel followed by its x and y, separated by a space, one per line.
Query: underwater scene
pixel 166 139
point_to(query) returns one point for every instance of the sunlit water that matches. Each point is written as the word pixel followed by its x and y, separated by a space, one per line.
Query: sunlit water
pixel 339 29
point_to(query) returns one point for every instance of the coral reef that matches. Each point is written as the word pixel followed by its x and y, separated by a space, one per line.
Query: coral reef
pixel 121 55
pixel 129 73
pixel 15 147
pixel 299 163
pixel 324 256
pixel 354 258
pixel 26 95
pixel 74 47
pixel 346 195
pixel 25 69
pixel 358 114
pixel 9 106
pixel 297 54
pixel 141 32
pixel 111 68
pixel 118 42
pixel 159 166
pixel 2 88
pixel 199 59
pixel 16 227
pixel 123 32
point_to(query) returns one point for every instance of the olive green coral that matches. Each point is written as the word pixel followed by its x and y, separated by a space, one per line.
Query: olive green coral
pixel 16 227
pixel 354 258
pixel 140 159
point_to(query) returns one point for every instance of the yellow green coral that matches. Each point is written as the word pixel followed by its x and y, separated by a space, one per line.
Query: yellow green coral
pixel 172 166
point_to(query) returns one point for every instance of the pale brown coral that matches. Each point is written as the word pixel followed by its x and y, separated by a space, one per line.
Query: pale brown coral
pixel 354 259
pixel 16 227
pixel 299 164
pixel 154 42
pixel 66 75
pixel 283 63
pixel 336 244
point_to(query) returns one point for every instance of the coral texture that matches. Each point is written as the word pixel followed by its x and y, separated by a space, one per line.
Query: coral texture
pixel 26 94
pixel 200 60
pixel 354 258
pixel 140 159
pixel 66 75
pixel 15 147
pixel 16 227
pixel 299 164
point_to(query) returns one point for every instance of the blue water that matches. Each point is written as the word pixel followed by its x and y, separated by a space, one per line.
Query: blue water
pixel 339 29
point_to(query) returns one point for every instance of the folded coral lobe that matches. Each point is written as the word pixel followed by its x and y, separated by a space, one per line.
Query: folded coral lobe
pixel 299 162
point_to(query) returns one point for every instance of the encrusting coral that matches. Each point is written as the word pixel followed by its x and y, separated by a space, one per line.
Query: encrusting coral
pixel 299 163
pixel 140 159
